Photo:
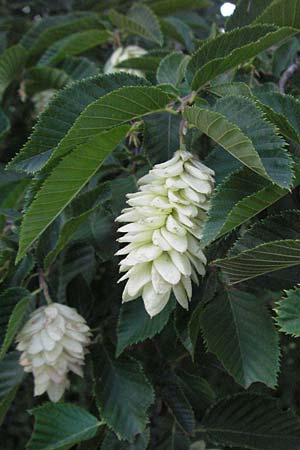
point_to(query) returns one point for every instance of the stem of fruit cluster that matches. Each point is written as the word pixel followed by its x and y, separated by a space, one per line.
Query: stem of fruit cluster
pixel 44 287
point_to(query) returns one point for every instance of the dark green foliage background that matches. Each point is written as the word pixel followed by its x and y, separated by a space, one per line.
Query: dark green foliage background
pixel 227 372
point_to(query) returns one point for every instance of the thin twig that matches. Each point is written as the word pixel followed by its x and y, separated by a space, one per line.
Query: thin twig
pixel 287 74
pixel 44 286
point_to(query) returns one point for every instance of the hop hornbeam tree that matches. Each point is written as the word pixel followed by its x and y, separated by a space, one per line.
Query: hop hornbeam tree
pixel 160 140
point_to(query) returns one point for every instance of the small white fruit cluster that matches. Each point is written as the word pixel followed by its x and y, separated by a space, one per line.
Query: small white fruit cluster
pixel 53 342
pixel 121 54
pixel 166 219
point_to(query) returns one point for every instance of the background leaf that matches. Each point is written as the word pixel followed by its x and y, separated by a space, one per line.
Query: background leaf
pixel 239 331
pixel 122 382
pixel 60 426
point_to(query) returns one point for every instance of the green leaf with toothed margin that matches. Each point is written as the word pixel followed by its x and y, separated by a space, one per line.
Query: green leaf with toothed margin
pixel 60 426
pixel 228 50
pixel 282 13
pixel 57 120
pixel 239 330
pixel 65 182
pixel 140 21
pixel 117 383
pixel 288 312
pixel 240 128
pixel 240 197
pixel 253 421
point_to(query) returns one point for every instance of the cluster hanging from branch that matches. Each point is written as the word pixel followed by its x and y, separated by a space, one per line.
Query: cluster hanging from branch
pixel 53 342
pixel 166 218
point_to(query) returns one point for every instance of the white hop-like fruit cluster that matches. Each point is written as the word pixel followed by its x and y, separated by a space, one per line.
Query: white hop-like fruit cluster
pixel 166 219
pixel 121 54
pixel 53 342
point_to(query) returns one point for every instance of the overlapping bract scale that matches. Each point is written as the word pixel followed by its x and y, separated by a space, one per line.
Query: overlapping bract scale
pixel 165 220
pixel 53 342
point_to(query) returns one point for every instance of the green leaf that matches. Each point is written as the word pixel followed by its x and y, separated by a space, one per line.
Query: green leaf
pixel 282 13
pixel 41 78
pixel 74 44
pixel 283 111
pixel 172 68
pixel 115 108
pixel 64 183
pixel 161 137
pixel 111 442
pixel 168 7
pixel 140 21
pixel 260 260
pixel 246 12
pixel 15 321
pixel 60 426
pixel 50 29
pixel 240 128
pixel 178 404
pixel 252 421
pixel 228 50
pixel 288 312
pixel 225 89
pixel 6 401
pixel 119 383
pixel 144 63
pixel 4 124
pixel 66 233
pixel 11 64
pixel 284 55
pixel 197 390
pixel 79 68
pixel 11 373
pixel 179 31
pixel 239 330
pixel 134 324
pixel 9 300
pixel 61 114
pixel 240 197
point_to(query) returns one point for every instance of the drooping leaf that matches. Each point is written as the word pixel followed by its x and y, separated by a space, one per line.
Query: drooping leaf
pixel 288 312
pixel 41 78
pixel 140 21
pixel 6 401
pixel 267 247
pixel 284 55
pixel 11 63
pixel 111 442
pixel 60 426
pixel 64 183
pixel 246 12
pixel 197 390
pixel 240 128
pixel 225 52
pixel 66 233
pixel 178 404
pixel 118 383
pixel 240 197
pixel 11 373
pixel 135 325
pixel 115 108
pixel 161 137
pixel 168 7
pixel 61 114
pixel 253 421
pixel 4 124
pixel 74 44
pixel 282 13
pixel 239 330
pixel 79 68
pixel 9 299
pixel 16 319
pixel 283 111
pixel 172 68
pixel 50 29
pixel 178 30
